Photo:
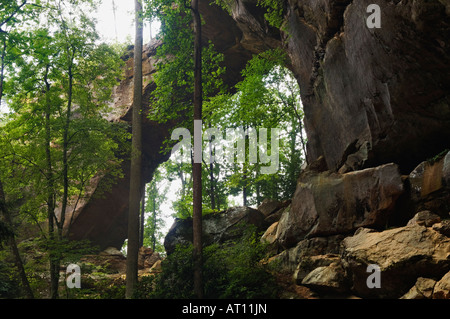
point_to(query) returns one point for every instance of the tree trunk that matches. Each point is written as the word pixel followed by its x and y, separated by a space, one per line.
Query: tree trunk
pixel 244 185
pixel 211 177
pixel 141 228
pixel 54 264
pixel 65 152
pixel 136 161
pixel 13 245
pixel 154 223
pixel 2 69
pixel 197 165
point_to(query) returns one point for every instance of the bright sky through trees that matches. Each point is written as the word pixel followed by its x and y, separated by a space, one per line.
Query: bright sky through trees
pixel 121 24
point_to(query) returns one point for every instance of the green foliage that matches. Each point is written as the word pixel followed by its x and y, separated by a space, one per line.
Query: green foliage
pixel 97 286
pixel 58 83
pixel 267 97
pixel 5 231
pixel 231 271
pixel 51 69
pixel 275 11
pixel 235 270
pixel 172 97
pixel 9 281
pixel 155 195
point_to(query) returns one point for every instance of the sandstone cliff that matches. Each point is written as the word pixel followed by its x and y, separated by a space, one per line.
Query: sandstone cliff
pixel 376 105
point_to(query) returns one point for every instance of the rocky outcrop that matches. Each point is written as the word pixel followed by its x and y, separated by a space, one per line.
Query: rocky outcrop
pixel 403 254
pixel 217 227
pixel 329 203
pixel 334 261
pixel 372 96
pixel 331 278
pixel 422 289
pixel 410 257
pixel 113 261
pixel 430 185
pixel 426 288
pixel 338 265
pixel 442 288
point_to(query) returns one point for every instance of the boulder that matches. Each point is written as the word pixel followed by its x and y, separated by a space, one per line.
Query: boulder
pixel 442 288
pixel 443 227
pixel 288 260
pixel 270 234
pixel 430 187
pixel 403 254
pixel 217 227
pixel 331 278
pixel 422 289
pixel 308 263
pixel 446 170
pixel 157 267
pixel 430 176
pixel 269 206
pixel 275 217
pixel 147 257
pixel 425 218
pixel 328 203
pixel 111 251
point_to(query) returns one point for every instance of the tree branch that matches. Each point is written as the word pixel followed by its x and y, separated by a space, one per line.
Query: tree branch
pixel 12 15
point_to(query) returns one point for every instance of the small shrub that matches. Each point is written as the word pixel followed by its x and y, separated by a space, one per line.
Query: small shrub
pixel 231 270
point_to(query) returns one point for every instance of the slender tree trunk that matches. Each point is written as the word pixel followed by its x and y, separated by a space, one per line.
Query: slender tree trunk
pixel 211 188
pixel 154 223
pixel 13 245
pixel 54 264
pixel 136 161
pixel 197 166
pixel 115 18
pixel 211 177
pixel 2 69
pixel 183 181
pixel 141 228
pixel 65 160
pixel 300 124
pixel 244 185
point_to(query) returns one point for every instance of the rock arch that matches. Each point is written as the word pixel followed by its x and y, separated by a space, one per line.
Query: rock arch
pixel 370 96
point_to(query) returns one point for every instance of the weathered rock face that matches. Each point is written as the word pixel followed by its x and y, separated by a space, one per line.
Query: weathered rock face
pixel 423 289
pixel 372 96
pixel 327 204
pixel 217 227
pixel 403 254
pixel 331 278
pixel 411 261
pixel 430 185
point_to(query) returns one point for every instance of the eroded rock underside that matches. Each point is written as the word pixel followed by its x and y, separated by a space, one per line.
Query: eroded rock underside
pixel 376 104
